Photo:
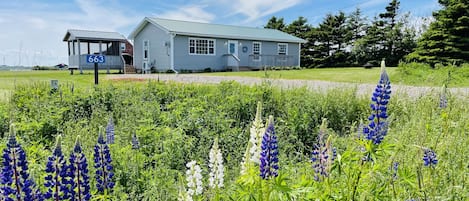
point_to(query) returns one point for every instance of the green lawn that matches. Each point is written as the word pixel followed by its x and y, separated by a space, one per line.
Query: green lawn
pixel 352 75
pixel 10 79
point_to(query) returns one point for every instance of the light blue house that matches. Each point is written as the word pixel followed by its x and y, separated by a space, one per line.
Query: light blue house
pixel 165 45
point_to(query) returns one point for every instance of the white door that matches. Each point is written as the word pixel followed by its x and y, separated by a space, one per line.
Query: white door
pixel 233 50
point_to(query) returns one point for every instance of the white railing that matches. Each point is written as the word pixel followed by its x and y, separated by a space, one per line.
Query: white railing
pixel 260 61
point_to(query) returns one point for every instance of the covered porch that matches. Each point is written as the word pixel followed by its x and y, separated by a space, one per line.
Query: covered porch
pixel 83 42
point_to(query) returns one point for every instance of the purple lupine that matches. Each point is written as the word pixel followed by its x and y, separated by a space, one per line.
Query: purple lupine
pixel 56 180
pixel 110 131
pixel 135 142
pixel 378 126
pixel 323 155
pixel 102 163
pixel 395 167
pixel 269 153
pixel 429 158
pixel 16 184
pixel 78 173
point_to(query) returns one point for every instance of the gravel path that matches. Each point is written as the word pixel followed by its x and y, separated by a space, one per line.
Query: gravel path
pixel 362 89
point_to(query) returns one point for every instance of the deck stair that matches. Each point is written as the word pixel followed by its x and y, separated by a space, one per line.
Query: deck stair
pixel 130 69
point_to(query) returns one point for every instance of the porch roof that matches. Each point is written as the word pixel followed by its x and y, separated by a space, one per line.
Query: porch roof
pixel 217 30
pixel 89 35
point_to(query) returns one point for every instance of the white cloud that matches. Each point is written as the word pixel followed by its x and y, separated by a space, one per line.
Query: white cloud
pixel 255 9
pixel 194 13
pixel 32 35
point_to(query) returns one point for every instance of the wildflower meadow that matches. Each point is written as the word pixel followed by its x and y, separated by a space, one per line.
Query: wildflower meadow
pixel 170 141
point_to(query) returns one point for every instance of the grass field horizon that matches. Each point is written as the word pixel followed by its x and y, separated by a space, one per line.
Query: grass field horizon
pixel 10 79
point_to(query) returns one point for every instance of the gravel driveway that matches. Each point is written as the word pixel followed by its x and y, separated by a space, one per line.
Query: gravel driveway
pixel 362 89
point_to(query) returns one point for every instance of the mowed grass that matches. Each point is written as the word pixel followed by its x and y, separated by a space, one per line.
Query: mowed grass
pixel 352 75
pixel 10 79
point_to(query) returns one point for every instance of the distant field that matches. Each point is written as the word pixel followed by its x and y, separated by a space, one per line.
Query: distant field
pixel 10 79
pixel 352 75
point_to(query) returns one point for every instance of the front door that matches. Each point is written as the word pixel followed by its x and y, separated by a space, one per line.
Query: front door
pixel 233 59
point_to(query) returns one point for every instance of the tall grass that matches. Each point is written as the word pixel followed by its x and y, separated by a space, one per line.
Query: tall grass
pixel 177 123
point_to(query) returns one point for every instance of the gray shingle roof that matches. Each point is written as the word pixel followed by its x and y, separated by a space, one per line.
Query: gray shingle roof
pixel 217 30
pixel 73 34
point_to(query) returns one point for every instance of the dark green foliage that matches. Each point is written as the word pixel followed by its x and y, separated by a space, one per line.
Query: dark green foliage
pixel 176 123
pixel 351 40
pixel 447 39
pixel 275 23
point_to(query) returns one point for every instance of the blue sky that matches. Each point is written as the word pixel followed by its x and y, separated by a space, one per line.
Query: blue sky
pixel 32 30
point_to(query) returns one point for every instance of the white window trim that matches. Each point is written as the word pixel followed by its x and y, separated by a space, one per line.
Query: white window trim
pixel 260 50
pixel 148 50
pixel 286 48
pixel 195 50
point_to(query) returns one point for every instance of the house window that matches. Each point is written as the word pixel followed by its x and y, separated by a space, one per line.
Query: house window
pixel 282 48
pixel 256 51
pixel 200 46
pixel 146 47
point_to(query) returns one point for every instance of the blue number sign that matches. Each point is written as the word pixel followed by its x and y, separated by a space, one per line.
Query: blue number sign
pixel 95 59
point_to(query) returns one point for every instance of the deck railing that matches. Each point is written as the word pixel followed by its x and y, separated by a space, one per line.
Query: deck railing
pixel 112 62
pixel 260 61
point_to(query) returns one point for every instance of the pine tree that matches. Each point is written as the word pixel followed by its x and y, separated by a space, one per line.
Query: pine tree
pixel 447 39
pixel 275 23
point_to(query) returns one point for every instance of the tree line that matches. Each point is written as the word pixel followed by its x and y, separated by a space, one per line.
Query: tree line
pixel 353 40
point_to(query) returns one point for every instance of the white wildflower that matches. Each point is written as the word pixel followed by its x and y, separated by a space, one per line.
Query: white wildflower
pixel 257 131
pixel 194 179
pixel 246 157
pixel 216 167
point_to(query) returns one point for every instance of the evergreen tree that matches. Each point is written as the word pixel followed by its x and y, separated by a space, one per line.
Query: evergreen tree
pixel 275 23
pixel 356 25
pixel 332 38
pixel 300 28
pixel 447 39
pixel 388 37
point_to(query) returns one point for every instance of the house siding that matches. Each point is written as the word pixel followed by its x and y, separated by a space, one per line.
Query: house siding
pixel 183 61
pixel 159 53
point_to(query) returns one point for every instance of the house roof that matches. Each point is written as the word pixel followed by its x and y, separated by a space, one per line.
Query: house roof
pixel 216 30
pixel 74 34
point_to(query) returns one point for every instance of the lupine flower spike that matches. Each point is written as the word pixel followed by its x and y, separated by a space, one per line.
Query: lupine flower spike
pixel 102 163
pixel 253 149
pixel 378 126
pixel 269 154
pixel 443 98
pixel 135 142
pixel 56 179
pixel 323 154
pixel 78 172
pixel 429 158
pixel 257 130
pixel 16 184
pixel 194 179
pixel 110 131
pixel 216 166
pixel 395 168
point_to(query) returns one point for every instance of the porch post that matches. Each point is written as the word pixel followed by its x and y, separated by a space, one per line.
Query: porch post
pixel 299 54
pixel 79 55
pixel 121 58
